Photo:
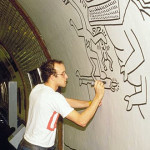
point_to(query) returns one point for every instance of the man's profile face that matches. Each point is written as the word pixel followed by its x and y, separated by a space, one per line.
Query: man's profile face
pixel 61 76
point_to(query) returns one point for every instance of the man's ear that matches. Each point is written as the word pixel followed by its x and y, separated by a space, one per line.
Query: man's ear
pixel 52 77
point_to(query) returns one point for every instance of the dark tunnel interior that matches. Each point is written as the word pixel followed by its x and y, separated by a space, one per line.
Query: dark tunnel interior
pixel 21 51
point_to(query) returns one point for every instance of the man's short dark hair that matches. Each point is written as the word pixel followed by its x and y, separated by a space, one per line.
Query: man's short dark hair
pixel 47 69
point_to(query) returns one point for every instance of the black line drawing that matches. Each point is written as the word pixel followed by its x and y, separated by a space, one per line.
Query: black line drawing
pixel 69 147
pixel 105 56
pixel 143 5
pixel 128 53
pixel 104 18
pixel 97 51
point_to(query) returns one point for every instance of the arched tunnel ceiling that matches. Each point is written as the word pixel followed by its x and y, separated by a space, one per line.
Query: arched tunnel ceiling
pixel 20 38
pixel 7 66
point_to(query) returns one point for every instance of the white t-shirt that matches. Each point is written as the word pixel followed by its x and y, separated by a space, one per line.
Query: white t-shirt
pixel 45 105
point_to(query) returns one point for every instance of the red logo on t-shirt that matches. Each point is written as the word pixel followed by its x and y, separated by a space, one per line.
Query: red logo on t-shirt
pixel 52 124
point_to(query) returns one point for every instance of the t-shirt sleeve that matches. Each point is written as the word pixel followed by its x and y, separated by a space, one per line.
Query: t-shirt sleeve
pixel 61 106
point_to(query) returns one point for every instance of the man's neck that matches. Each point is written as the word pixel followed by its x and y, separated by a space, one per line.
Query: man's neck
pixel 54 87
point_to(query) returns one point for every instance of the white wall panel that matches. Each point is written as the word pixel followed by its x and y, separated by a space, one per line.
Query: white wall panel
pixel 106 40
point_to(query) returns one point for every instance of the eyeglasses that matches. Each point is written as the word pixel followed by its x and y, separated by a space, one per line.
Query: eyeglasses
pixel 62 74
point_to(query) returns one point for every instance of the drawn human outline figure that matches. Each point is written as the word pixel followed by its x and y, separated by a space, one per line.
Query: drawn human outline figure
pixel 90 53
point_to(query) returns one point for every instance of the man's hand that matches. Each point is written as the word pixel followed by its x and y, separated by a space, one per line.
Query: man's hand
pixel 99 90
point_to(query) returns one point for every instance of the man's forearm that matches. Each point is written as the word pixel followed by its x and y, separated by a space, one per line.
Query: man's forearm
pixel 75 103
pixel 84 117
pixel 89 112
